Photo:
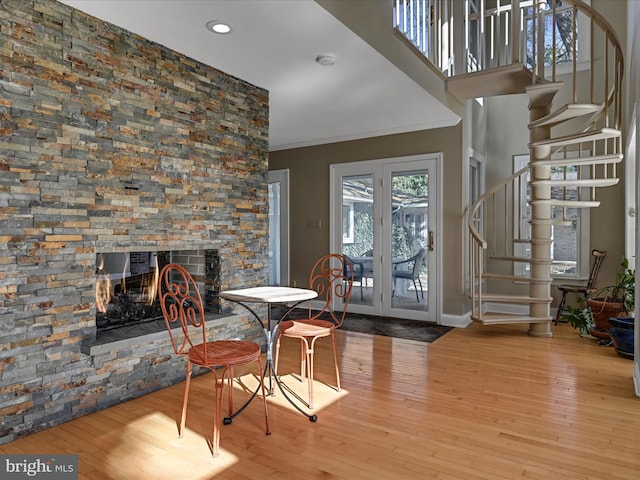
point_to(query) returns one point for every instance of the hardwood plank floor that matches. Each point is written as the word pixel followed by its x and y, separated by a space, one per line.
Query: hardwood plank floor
pixel 486 403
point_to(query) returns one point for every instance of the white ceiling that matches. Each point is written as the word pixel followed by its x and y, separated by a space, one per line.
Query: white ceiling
pixel 273 45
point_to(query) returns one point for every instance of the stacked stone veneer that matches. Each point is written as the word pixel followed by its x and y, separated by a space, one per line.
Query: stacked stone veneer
pixel 110 142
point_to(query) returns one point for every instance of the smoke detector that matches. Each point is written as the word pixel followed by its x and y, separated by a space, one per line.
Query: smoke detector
pixel 325 60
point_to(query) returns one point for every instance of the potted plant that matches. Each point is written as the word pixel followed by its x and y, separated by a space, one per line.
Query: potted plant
pixel 579 317
pixel 622 335
pixel 616 300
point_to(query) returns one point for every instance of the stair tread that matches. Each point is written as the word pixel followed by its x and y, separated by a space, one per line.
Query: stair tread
pixel 564 113
pixel 498 318
pixel 513 298
pixel 513 259
pixel 515 278
pixel 588 160
pixel 552 221
pixel 583 182
pixel 568 203
pixel 588 136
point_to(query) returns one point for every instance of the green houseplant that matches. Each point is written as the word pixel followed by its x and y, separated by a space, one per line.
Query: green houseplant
pixel 617 300
pixel 579 317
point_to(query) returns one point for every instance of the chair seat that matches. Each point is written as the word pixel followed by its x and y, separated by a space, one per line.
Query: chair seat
pixel 403 274
pixel 224 352
pixel 307 328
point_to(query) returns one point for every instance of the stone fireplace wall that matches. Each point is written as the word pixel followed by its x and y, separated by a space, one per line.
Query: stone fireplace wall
pixel 110 142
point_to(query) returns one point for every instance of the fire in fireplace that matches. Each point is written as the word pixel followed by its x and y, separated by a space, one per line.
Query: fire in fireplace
pixel 126 288
pixel 126 284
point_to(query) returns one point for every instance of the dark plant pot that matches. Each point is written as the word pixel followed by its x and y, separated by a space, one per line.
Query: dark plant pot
pixel 622 334
pixel 602 311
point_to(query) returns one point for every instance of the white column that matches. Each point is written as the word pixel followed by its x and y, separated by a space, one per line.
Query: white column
pixel 541 98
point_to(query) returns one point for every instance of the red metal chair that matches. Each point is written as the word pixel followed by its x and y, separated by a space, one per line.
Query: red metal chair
pixel 182 307
pixel 332 277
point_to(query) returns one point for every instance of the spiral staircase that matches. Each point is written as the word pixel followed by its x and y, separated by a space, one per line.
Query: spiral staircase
pixel 574 123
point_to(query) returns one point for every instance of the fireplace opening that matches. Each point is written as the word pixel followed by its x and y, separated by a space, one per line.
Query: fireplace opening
pixel 126 284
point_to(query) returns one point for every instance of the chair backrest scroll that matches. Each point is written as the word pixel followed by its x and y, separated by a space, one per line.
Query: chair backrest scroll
pixel 181 306
pixel 332 277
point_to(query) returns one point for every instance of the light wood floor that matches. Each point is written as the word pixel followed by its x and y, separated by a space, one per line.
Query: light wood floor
pixel 480 403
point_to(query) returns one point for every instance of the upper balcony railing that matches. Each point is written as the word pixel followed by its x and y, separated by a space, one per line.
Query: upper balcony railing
pixel 548 37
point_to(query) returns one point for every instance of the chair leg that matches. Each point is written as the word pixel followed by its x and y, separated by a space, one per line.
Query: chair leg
pixel 304 366
pixel 335 360
pixel 230 394
pixel 183 417
pixel 217 421
pixel 561 307
pixel 309 352
pixel 415 287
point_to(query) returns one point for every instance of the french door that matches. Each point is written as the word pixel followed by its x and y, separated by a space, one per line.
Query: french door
pixel 385 218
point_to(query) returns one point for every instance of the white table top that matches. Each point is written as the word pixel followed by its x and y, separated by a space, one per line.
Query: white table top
pixel 269 294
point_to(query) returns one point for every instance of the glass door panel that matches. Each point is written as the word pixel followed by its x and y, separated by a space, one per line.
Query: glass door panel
pixel 409 239
pixel 357 234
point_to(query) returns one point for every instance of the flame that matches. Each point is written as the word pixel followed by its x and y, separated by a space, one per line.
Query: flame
pixel 150 290
pixel 103 288
pixel 125 269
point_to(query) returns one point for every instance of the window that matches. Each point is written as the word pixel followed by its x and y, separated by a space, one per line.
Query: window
pixel 279 227
pixel 416 223
pixel 569 230
pixel 564 35
pixel 475 189
pixel 476 178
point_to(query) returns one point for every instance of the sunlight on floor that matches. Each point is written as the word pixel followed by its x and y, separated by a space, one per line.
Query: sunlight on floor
pixel 150 445
pixel 324 395
pixel 172 455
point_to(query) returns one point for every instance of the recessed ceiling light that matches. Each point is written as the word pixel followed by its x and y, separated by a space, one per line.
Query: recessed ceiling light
pixel 325 60
pixel 217 26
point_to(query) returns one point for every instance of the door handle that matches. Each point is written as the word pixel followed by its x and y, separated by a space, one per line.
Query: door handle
pixel 430 241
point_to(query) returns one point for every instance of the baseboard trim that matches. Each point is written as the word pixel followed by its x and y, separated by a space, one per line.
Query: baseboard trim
pixel 458 321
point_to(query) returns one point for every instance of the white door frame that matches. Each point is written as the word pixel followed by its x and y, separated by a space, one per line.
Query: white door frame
pixel 381 304
pixel 632 204
pixel 282 177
